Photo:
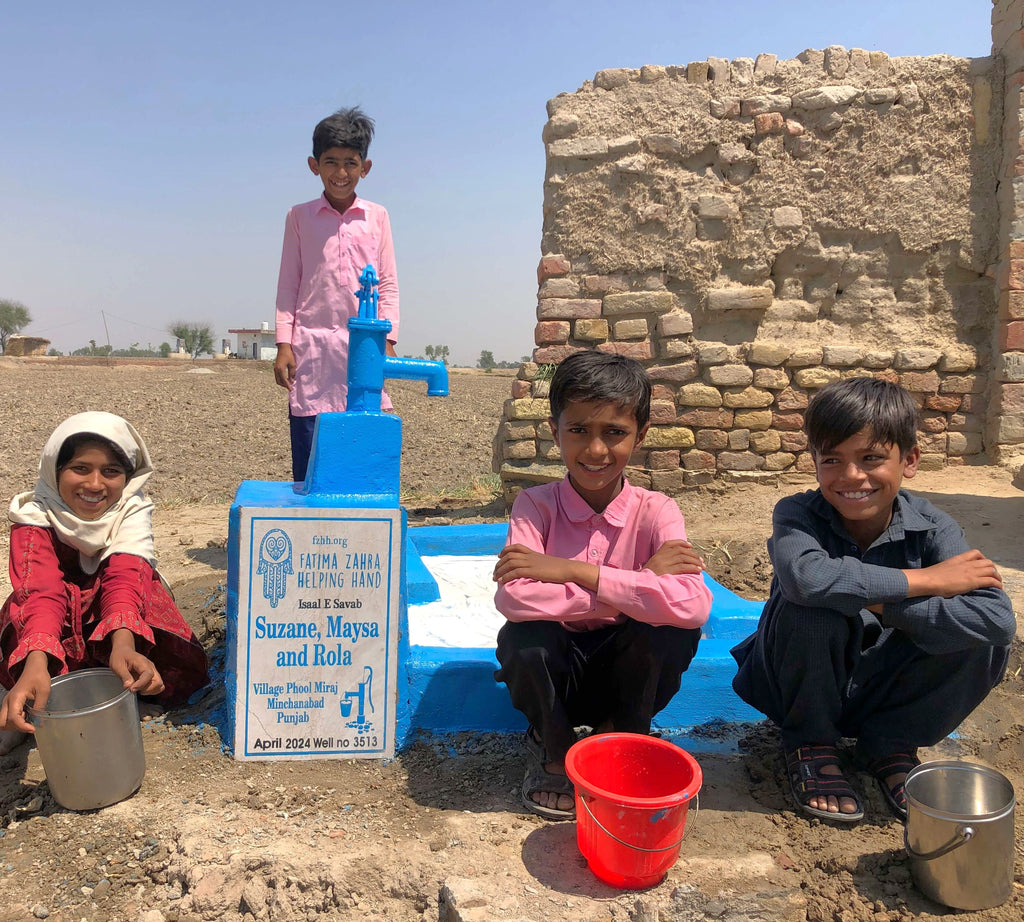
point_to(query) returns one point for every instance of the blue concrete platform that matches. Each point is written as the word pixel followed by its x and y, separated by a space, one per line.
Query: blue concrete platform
pixel 448 689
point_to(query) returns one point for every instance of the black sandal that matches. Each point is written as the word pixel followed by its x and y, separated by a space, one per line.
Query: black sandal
pixel 896 763
pixel 803 769
pixel 538 779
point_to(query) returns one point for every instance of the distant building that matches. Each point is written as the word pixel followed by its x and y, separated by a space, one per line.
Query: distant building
pixel 256 344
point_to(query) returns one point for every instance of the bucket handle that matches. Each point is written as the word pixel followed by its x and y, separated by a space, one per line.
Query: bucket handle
pixel 963 835
pixel 640 848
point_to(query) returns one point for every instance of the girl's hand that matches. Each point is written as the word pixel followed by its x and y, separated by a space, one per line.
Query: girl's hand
pixel 675 557
pixel 133 668
pixel 33 685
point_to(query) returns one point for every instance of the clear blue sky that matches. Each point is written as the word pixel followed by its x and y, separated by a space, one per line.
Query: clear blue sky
pixel 149 152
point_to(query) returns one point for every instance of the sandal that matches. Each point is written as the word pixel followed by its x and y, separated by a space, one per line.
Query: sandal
pixel 538 779
pixel 804 770
pixel 895 763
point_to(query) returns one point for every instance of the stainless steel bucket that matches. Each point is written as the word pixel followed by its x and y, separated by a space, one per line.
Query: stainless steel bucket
pixel 959 833
pixel 89 740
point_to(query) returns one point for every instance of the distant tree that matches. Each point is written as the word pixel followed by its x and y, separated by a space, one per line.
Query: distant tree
pixel 196 338
pixel 165 349
pixel 14 316
pixel 54 351
pixel 486 360
pixel 436 353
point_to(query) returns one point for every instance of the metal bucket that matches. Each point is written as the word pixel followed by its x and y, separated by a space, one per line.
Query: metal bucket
pixel 89 740
pixel 959 833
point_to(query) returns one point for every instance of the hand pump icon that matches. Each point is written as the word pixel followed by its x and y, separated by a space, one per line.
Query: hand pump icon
pixel 363 696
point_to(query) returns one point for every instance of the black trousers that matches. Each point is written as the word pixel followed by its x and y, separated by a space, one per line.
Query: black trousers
pixel 560 679
pixel 820 676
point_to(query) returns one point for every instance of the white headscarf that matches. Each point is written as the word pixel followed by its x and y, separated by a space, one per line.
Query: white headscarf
pixel 125 528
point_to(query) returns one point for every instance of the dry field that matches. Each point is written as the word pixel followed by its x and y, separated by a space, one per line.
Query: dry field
pixel 207 838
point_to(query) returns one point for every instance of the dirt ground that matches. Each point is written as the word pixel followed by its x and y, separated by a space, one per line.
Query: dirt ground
pixel 437 833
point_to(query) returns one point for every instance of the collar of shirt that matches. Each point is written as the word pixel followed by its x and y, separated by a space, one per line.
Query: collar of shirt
pixel 578 510
pixel 357 205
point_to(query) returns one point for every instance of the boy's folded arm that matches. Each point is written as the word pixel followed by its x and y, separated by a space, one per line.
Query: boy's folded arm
pixel 530 600
pixel 955 599
pixel 980 618
pixel 680 600
pixel 808 575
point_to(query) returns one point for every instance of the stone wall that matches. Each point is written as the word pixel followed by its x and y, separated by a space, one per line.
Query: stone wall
pixel 753 229
pixel 1005 425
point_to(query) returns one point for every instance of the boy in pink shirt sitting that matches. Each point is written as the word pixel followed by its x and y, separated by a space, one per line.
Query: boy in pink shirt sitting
pixel 327 244
pixel 601 590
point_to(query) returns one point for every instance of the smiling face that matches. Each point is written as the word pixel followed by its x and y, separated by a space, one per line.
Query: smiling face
pixel 92 481
pixel 596 439
pixel 340 169
pixel 860 480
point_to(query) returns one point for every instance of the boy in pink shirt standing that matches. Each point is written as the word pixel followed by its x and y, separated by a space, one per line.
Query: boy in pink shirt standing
pixel 601 590
pixel 327 243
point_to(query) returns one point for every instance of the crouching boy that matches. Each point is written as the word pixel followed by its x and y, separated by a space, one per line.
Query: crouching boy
pixel 882 625
pixel 602 593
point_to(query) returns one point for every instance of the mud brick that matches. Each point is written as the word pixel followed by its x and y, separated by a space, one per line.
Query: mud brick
pixel 779 461
pixel 552 265
pixel 662 392
pixel 699 395
pixel 707 419
pixel 640 351
pixel 669 482
pixel 711 439
pixel 552 355
pixel 961 384
pixel 933 424
pixel 748 398
pixel 1011 305
pixel 769 123
pixel 739 461
pixel 514 431
pixel 739 439
pixel 663 411
pixel 663 459
pixel 920 382
pixel 792 421
pixel 551 332
pixel 793 441
pixel 805 463
pixel 765 442
pixel 699 461
pixel 944 403
pixel 669 437
pixel 520 451
pixel 1011 336
pixel 791 399
pixel 520 389
pixel 757 420
pixel 569 309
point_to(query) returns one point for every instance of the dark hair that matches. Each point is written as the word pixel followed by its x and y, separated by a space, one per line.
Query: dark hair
pixel 73 442
pixel 586 376
pixel 843 408
pixel 345 128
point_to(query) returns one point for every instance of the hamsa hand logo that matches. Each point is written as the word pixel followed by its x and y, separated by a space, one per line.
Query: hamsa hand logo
pixel 275 564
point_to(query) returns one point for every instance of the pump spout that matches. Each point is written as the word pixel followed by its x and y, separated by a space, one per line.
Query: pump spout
pixel 368 366
pixel 434 373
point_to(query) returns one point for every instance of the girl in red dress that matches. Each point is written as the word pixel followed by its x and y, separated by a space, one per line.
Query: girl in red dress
pixel 85 588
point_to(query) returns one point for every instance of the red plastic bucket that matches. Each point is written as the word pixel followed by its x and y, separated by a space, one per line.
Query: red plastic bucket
pixel 632 796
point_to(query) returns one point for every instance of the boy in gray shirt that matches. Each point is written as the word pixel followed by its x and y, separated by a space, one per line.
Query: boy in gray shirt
pixel 882 625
